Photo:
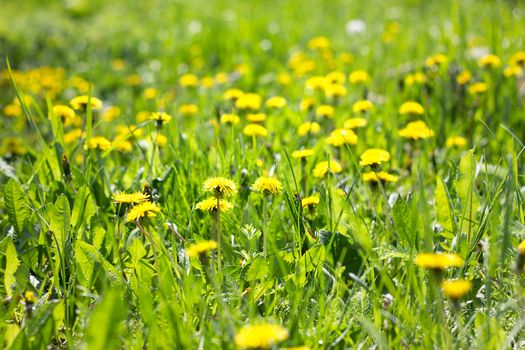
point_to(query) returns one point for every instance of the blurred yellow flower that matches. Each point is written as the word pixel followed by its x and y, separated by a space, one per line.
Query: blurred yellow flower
pixel 322 168
pixel 340 137
pixel 188 80
pixel 248 101
pixel 309 128
pixel 358 76
pixel 160 118
pixel 302 153
pixel 326 111
pixel 267 185
pixel 436 60
pixel 130 198
pixel 374 156
pixel 354 123
pixel 150 93
pixel 513 71
pixel 232 94
pixel 477 88
pixel 306 104
pixel 456 141
pixel 362 106
pixel 81 102
pixel 64 113
pixel 336 77
pixel 310 202
pixel 98 142
pixel 416 130
pixel 188 109
pixel 256 117
pixel 220 186
pixel 141 210
pixel 262 336
pixel 255 130
pixel 276 102
pixel 464 77
pixel 518 59
pixel 210 205
pixel 381 176
pixel 489 61
pixel 456 289
pixel 200 248
pixel 232 119
pixel 319 43
pixel 438 261
pixel 411 107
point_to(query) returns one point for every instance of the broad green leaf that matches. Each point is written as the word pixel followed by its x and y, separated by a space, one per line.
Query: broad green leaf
pixel 86 258
pixel 465 190
pixel 400 215
pixel 445 214
pixel 15 205
pixel 257 270
pixel 106 322
pixel 136 251
pixel 59 220
pixel 83 208
pixel 12 263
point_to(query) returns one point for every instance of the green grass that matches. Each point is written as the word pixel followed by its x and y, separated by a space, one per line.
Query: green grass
pixel 75 274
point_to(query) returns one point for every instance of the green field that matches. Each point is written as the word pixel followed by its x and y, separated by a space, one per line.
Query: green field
pixel 262 174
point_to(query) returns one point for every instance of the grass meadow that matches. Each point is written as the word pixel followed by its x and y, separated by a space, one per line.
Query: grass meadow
pixel 262 174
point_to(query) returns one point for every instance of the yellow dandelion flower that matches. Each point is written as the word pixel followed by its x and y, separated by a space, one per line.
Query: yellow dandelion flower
pixel 12 146
pixel 316 83
pixel 489 61
pixel 477 88
pixel 188 80
pixel 210 205
pixel 306 104
pixel 318 43
pixel 513 71
pixel 255 130
pixel 340 137
pixel 302 153
pixel 262 336
pixel 161 140
pixel 232 94
pixel 325 111
pixel 416 130
pixel 220 186
pixel 322 168
pixel 267 185
pixel 456 289
pixel 411 107
pixel 221 78
pixel 521 248
pixel 276 102
pixel 464 77
pixel 309 128
pixel 66 114
pixel 141 210
pixel 416 78
pixel 374 156
pixel 354 123
pixel 381 176
pixel 518 59
pixel 122 145
pixel 160 118
pixel 335 91
pixel 436 60
pixel 81 102
pixel 359 77
pixel 150 93
pixel 130 198
pixel 336 77
pixel 362 106
pixel 256 117
pixel 232 119
pixel 73 136
pixel 284 79
pixel 13 110
pixel 310 202
pixel 188 109
pixel 197 249
pixel 456 141
pixel 207 82
pixel 249 101
pixel 438 261
pixel 111 113
pixel 98 142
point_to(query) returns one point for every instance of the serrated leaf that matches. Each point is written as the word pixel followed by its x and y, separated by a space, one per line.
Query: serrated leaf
pixel 444 211
pixel 15 205
pixel 86 256
pixel 400 215
pixel 59 220
pixel 12 263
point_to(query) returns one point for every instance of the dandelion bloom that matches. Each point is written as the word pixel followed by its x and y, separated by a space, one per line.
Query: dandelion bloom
pixel 220 186
pixel 354 123
pixel 322 168
pixel 262 336
pixel 416 130
pixel 521 248
pixel 207 82
pixel 210 205
pixel 255 130
pixel 335 90
pixel 489 61
pixel 456 289
pixel 374 156
pixel 436 60
pixel 130 198
pixel 362 106
pixel 456 141
pixel 306 104
pixel 309 128
pixel 232 119
pixel 188 80
pixel 111 113
pixel 438 261
pixel 477 88
pixel 464 77
pixel 336 77
pixel 150 93
pixel 232 94
pixel 161 140
pixel 358 76
pixel 200 248
pixel 340 137
pixel 248 101
pixel 98 142
pixel 317 82
pixel 63 112
pixel 188 109
pixel 411 107
pixel 318 43
pixel 73 136
pixel 267 185
pixel 81 102
pixel 160 117
pixel 518 59
pixel 141 210
pixel 326 111
pixel 310 202
pixel 416 78
pixel 302 153
pixel 381 176
pixel 513 71
pixel 276 102
pixel 256 117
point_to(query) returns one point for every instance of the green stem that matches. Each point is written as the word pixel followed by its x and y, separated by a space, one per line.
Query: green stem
pixel 218 221
pixel 265 238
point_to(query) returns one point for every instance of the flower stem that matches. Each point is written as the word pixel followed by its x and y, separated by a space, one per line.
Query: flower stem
pixel 265 214
pixel 218 221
